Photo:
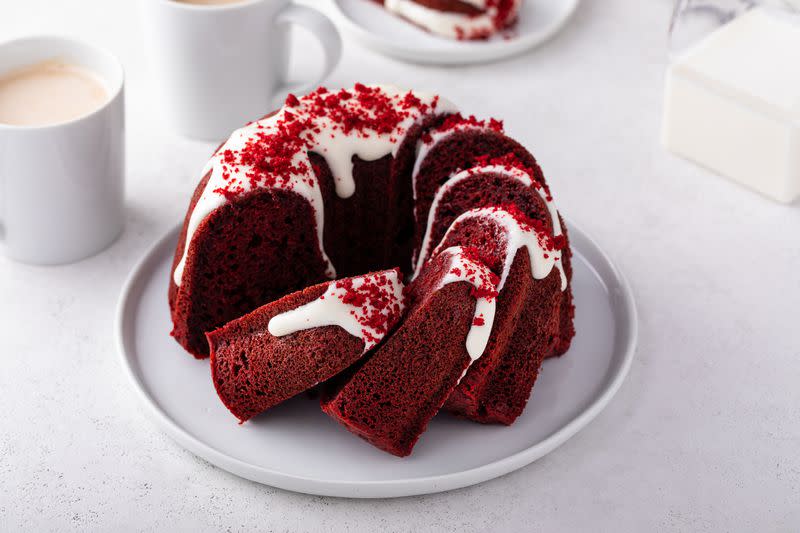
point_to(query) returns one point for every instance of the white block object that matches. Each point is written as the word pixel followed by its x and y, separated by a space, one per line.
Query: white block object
pixel 732 104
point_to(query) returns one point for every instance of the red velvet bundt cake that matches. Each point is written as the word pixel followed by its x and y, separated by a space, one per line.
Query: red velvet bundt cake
pixel 457 19
pixel 336 184
pixel 391 398
pixel 290 345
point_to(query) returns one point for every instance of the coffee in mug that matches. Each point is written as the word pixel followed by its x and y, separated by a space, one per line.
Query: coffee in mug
pixel 49 93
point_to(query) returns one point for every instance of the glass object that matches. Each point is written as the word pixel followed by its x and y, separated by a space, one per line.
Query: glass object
pixel 694 19
pixel 731 91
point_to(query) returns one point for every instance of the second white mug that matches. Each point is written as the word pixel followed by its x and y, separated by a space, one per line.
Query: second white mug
pixel 222 65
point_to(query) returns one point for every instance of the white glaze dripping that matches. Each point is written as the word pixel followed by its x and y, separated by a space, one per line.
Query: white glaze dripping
pixel 542 261
pixel 330 310
pixel 479 276
pixel 331 142
pixel 503 170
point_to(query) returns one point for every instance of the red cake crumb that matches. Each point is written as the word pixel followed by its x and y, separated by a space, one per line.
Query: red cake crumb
pixel 380 309
pixel 508 161
pixel 457 120
pixel 483 285
pixel 292 101
pixel 270 157
pixel 254 370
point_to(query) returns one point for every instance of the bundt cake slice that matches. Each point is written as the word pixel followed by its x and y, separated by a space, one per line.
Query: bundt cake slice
pixel 288 346
pixel 306 194
pixel 242 255
pixel 496 388
pixel 502 181
pixel 390 399
pixel 465 163
pixel 457 19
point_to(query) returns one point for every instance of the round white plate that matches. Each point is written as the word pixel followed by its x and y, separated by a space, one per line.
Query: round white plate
pixel 297 447
pixel 379 30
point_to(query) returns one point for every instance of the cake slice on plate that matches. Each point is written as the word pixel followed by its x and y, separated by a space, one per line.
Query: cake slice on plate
pixel 465 164
pixel 532 280
pixel 457 19
pixel 290 345
pixel 390 399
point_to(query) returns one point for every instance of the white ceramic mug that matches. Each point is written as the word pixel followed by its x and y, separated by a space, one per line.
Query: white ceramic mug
pixel 220 66
pixel 62 185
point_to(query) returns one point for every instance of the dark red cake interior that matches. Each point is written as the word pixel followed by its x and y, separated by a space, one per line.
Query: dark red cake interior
pixel 254 370
pixel 390 399
pixel 225 278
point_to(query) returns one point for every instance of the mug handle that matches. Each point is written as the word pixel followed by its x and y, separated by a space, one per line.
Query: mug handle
pixel 323 29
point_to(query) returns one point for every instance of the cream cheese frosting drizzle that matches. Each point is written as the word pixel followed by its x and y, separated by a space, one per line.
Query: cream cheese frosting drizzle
pixel 458 25
pixel 366 307
pixel 508 171
pixel 518 233
pixel 484 282
pixel 368 121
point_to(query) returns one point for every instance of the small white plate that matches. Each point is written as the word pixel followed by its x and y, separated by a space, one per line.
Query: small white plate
pixel 297 447
pixel 379 30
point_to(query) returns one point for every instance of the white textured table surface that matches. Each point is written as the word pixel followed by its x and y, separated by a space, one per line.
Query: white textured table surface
pixel 703 435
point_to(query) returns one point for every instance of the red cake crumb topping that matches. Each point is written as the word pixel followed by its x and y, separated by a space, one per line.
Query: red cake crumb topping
pixel 270 155
pixel 375 297
pixel 486 291
pixel 457 120
pixel 292 101
pixel 484 281
pixel 547 241
pixel 525 222
pixel 492 252
pixel 508 161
